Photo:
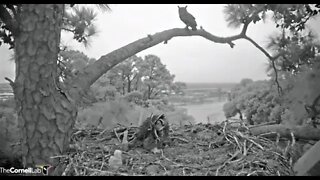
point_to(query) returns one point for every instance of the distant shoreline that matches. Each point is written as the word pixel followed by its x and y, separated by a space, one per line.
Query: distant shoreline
pixel 199 86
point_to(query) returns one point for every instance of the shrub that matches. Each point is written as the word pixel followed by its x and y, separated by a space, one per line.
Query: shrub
pixel 135 97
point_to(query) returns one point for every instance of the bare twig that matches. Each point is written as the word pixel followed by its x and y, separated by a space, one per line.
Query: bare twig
pixel 244 147
pixel 271 58
pixel 293 139
pixel 181 139
pixel 115 132
pixel 10 81
pixel 224 132
pixel 225 163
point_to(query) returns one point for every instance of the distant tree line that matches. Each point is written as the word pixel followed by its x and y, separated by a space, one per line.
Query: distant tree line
pixel 144 78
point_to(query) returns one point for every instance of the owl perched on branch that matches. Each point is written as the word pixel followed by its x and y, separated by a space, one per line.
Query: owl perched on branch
pixel 187 18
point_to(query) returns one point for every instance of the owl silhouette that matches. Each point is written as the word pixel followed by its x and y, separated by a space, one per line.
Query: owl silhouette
pixel 187 18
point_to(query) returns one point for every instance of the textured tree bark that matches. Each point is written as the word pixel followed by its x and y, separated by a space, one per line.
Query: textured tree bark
pixel 45 116
pixel 301 132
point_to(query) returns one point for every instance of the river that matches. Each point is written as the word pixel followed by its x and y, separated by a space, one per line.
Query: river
pixel 201 112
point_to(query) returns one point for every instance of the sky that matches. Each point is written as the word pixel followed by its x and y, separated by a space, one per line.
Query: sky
pixel 191 59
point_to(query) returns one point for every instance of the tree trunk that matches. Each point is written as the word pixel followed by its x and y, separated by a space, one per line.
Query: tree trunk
pixel 129 84
pixel 149 92
pixel 300 132
pixel 45 115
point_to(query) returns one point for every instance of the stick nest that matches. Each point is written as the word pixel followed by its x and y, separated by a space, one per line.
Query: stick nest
pixel 222 149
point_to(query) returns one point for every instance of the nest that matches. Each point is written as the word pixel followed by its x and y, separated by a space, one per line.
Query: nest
pixel 203 149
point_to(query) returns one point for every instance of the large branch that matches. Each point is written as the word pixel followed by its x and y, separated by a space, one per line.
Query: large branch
pixel 85 78
pixel 92 72
pixel 301 132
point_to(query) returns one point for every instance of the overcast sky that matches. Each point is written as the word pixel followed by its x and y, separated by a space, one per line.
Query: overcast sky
pixel 191 59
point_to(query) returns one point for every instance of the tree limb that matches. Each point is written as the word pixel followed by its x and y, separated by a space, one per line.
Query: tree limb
pixel 272 59
pixel 300 132
pixel 10 82
pixel 92 72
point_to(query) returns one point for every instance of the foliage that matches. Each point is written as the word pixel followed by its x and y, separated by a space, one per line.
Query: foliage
pixel 160 104
pixel 300 50
pixel 288 16
pixel 296 55
pixel 238 14
pixel 304 93
pixel 148 76
pixel 104 93
pixel 135 97
pixel 230 109
pixel 126 75
pixel 258 101
pixel 245 82
pixel 155 77
pixel 178 87
pixel 72 61
pixel 77 20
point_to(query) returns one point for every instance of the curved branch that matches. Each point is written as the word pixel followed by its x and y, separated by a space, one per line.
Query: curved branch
pixel 10 82
pixel 92 72
pixel 85 78
pixel 272 59
pixel 259 47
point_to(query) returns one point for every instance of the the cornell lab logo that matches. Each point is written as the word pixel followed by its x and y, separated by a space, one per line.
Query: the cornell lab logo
pixel 45 169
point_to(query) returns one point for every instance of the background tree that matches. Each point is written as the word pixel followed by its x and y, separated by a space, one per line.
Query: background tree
pixel 178 87
pixel 257 101
pixel 126 72
pixel 72 61
pixel 156 78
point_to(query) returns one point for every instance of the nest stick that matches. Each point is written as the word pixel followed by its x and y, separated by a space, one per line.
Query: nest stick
pixel 115 132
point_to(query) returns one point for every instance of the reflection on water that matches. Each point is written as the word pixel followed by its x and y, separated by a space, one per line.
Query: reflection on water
pixel 201 112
